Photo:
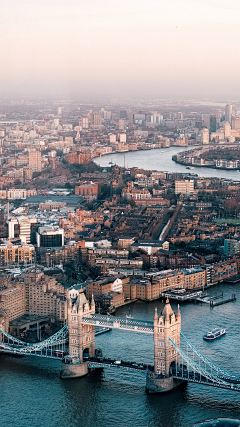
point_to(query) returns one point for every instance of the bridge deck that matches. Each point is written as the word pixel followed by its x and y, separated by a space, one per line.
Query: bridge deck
pixel 194 377
pixel 95 362
pixel 126 324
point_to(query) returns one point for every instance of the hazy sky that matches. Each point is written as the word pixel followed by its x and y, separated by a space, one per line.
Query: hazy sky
pixel 158 48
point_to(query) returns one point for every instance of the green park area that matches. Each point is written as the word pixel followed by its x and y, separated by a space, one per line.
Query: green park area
pixel 229 221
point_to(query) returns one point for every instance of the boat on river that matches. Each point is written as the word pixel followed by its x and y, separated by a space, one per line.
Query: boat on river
pixel 214 334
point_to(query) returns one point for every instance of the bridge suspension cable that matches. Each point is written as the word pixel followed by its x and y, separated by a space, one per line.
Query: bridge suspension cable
pixel 213 366
pixel 198 369
pixel 11 338
pixel 20 347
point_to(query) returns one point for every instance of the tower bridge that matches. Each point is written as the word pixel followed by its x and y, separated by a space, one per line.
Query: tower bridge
pixel 176 360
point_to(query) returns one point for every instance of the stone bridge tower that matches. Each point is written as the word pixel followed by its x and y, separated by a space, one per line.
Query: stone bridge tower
pixel 168 325
pixel 81 337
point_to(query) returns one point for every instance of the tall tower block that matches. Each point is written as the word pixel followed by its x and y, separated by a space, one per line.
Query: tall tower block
pixel 168 325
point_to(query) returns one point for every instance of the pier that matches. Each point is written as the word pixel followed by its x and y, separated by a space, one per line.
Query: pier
pixel 223 301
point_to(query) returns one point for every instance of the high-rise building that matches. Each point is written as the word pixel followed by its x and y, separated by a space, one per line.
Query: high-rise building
pixel 112 137
pixel 56 122
pixel 121 124
pixel 228 113
pixel 84 123
pixel 213 123
pixel 205 136
pixel 3 229
pixel 59 111
pixel 107 115
pixel 123 114
pixel 122 138
pixel 227 130
pixel 236 123
pixel 97 119
pixel 35 161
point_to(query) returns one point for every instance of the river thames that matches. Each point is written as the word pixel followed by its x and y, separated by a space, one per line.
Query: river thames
pixel 33 395
pixel 161 160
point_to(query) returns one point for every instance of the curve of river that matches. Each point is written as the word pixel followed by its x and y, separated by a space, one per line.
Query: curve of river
pixel 161 160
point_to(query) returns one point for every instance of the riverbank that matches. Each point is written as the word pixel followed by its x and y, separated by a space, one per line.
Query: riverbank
pixel 194 165
pixel 226 164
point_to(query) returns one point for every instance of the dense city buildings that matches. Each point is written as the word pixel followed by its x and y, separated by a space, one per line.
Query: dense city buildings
pixel 117 233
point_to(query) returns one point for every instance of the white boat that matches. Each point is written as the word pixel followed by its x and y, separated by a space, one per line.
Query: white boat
pixel 214 334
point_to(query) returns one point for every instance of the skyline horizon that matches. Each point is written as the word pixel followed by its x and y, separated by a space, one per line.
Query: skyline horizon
pixel 103 49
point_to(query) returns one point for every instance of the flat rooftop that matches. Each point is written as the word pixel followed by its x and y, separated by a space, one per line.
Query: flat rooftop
pixel 69 200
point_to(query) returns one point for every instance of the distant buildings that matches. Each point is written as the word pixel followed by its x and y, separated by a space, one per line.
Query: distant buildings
pixel 16 193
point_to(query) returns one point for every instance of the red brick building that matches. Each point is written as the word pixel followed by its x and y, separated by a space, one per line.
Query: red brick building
pixel 89 190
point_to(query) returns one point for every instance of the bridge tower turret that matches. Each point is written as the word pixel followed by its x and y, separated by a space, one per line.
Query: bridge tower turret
pixel 81 337
pixel 168 325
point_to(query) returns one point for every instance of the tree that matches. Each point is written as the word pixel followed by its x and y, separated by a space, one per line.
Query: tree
pixel 68 185
pixel 132 203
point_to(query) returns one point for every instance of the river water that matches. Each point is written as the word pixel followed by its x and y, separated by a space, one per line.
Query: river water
pixel 32 394
pixel 161 160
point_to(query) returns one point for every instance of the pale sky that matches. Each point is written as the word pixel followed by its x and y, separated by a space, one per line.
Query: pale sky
pixel 161 48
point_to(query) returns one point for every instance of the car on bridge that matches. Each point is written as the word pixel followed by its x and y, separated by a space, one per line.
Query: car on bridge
pixel 59 353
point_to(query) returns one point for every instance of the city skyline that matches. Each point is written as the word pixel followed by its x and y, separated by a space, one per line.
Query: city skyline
pixel 137 49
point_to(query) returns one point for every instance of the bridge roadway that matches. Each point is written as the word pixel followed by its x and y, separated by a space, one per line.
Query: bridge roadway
pixel 101 362
pixel 125 324
pixel 195 377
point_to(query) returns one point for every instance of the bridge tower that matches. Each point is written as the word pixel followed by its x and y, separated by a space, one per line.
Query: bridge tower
pixel 81 337
pixel 168 325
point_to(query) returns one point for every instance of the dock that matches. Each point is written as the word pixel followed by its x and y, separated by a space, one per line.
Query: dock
pixel 184 294
pixel 223 301
pixel 201 296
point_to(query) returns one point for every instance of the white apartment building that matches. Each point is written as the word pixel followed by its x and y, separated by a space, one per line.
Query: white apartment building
pixel 21 227
pixel 185 187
